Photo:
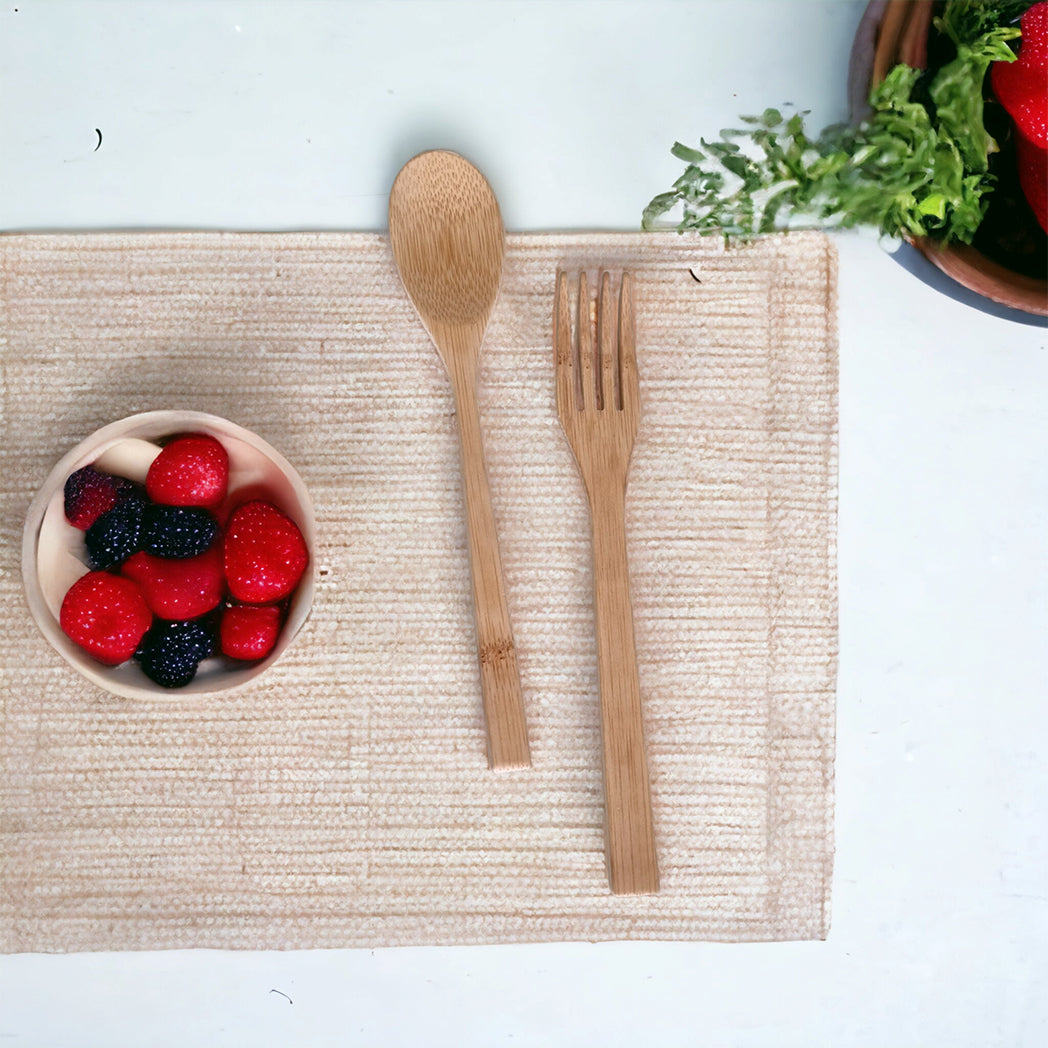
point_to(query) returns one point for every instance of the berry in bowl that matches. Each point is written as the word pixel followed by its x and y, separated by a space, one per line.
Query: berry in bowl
pixel 169 553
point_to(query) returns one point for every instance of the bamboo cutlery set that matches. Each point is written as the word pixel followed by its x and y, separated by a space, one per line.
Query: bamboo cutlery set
pixel 448 242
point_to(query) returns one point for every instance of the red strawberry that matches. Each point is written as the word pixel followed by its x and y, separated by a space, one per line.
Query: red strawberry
pixel 249 631
pixel 179 589
pixel 106 615
pixel 1022 88
pixel 193 470
pixel 89 493
pixel 265 553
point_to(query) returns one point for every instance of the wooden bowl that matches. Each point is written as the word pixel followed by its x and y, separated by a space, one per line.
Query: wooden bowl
pixel 53 553
pixel 897 31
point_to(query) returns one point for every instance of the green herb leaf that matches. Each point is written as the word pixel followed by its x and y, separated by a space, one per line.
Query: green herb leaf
pixel 957 94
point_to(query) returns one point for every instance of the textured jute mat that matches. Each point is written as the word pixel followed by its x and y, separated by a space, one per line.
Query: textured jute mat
pixel 344 798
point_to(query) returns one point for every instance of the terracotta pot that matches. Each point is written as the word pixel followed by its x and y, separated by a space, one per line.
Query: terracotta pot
pixel 896 31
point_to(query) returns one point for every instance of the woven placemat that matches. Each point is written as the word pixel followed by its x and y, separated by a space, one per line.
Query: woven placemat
pixel 344 798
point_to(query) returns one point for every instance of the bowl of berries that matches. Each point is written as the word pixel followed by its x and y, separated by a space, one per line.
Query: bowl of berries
pixel 170 552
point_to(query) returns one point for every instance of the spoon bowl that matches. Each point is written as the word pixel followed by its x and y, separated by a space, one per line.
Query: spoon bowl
pixel 448 240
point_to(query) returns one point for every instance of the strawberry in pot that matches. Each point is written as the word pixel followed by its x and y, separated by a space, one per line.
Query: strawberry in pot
pixel 1022 88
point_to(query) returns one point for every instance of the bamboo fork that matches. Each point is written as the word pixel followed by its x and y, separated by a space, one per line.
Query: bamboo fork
pixel 598 404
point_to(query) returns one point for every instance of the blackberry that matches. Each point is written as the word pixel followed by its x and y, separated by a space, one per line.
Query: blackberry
pixel 207 635
pixel 116 534
pixel 172 650
pixel 177 532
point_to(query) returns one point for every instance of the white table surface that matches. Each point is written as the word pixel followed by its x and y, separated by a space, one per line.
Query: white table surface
pixel 282 115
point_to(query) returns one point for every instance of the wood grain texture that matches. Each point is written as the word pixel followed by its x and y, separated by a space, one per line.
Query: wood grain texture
pixel 447 238
pixel 343 799
pixel 598 404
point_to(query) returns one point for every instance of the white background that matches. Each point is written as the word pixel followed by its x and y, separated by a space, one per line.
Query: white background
pixel 297 116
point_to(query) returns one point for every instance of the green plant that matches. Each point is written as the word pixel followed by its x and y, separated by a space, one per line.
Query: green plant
pixel 917 166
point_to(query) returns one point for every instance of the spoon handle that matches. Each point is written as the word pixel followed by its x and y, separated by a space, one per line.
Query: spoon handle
pixel 499 673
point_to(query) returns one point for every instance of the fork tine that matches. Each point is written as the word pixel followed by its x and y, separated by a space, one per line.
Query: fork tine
pixel 607 364
pixel 629 381
pixel 563 350
pixel 584 335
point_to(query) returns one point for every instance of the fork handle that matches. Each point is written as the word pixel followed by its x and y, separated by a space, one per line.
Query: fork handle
pixel 507 736
pixel 630 851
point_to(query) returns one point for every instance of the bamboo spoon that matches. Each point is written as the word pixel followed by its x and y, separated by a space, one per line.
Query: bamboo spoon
pixel 447 237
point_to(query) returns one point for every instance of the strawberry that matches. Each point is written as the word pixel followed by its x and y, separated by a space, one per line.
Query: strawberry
pixel 192 470
pixel 265 553
pixel 106 615
pixel 89 493
pixel 1022 87
pixel 179 589
pixel 249 631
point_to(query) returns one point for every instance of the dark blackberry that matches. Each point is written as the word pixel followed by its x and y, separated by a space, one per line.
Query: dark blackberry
pixel 177 531
pixel 171 651
pixel 116 534
pixel 207 637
